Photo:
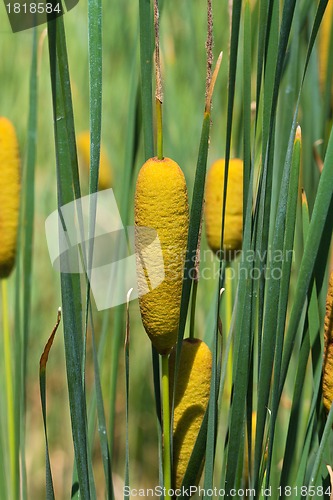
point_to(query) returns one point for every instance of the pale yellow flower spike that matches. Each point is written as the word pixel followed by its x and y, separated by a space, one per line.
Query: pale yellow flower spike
pixel 9 195
pixel 191 401
pixel 161 204
pixel 105 180
pixel 233 226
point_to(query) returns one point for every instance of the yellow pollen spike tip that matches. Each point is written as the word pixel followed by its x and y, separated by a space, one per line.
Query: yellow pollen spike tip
pixel 191 400
pixel 328 349
pixel 105 170
pixel 161 210
pixel 233 225
pixel 9 195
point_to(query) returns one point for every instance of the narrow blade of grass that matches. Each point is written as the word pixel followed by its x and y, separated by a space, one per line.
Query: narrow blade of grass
pixel 127 368
pixel 95 108
pixel 3 482
pixel 131 150
pixel 68 189
pixel 310 432
pixel 194 227
pixel 242 348
pixel 212 414
pixel 319 455
pixel 309 342
pixel 264 26
pixel 235 25
pixel 241 380
pixel 285 29
pixel 24 259
pixel 290 182
pixel 247 103
pixel 42 387
pixel 192 241
pixel 318 220
pixel 106 457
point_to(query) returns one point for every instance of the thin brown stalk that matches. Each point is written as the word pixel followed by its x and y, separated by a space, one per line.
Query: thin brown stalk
pixel 158 91
pixel 209 45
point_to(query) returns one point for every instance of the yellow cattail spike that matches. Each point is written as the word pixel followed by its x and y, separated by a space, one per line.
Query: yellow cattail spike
pixel 161 204
pixel 324 42
pixel 105 171
pixel 9 195
pixel 328 349
pixel 233 226
pixel 191 400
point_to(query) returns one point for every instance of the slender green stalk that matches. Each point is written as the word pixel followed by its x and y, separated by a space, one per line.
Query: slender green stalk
pixel 193 303
pixel 68 189
pixel 42 387
pixel 228 297
pixel 127 387
pixel 9 388
pixel 166 427
pixel 228 315
pixel 26 241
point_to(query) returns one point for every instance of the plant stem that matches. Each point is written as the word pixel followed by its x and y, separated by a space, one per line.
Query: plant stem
pixel 159 129
pixel 228 315
pixel 166 426
pixel 158 91
pixel 9 388
pixel 193 303
pixel 228 296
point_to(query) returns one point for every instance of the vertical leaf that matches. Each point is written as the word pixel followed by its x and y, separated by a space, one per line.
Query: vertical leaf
pixel 68 189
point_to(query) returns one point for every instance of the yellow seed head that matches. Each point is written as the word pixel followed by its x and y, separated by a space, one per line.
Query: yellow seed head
pixel 324 42
pixel 105 171
pixel 233 226
pixel 9 195
pixel 161 204
pixel 328 349
pixel 191 400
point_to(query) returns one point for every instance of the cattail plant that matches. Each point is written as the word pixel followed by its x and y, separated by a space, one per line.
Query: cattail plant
pixel 161 204
pixel 328 349
pixel 105 171
pixel 9 216
pixel 191 400
pixel 161 209
pixel 9 195
pixel 233 228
